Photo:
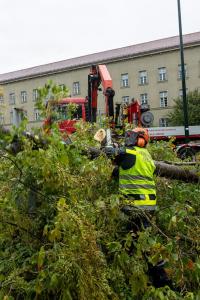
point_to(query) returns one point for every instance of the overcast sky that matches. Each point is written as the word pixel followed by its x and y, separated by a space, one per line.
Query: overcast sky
pixel 35 32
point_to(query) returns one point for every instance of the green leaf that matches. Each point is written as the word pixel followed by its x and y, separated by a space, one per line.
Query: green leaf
pixel 175 256
pixel 54 281
pixel 54 235
pixel 41 257
pixel 114 246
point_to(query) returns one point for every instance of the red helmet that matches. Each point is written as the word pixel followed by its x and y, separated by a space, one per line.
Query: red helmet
pixel 142 136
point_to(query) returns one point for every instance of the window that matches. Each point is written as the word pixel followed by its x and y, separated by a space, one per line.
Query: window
pixel 1 99
pixel 144 98
pixel 143 77
pixel 1 119
pixel 35 94
pixel 180 71
pixel 162 73
pixel 124 80
pixel 23 97
pixel 12 98
pixel 62 112
pixel 76 88
pixel 11 117
pixel 24 114
pixel 62 87
pixel 181 92
pixel 36 114
pixel 163 99
pixel 163 122
pixel 125 100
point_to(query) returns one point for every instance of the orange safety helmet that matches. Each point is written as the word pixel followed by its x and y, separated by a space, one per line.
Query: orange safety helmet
pixel 142 136
pixel 137 137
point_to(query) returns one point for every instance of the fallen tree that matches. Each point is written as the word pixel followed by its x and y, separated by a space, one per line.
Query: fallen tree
pixel 175 172
pixel 163 169
pixel 64 236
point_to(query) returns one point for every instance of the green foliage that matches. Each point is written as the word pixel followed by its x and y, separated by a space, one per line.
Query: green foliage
pixel 177 217
pixel 177 117
pixel 45 216
pixel 63 234
pixel 49 94
pixel 162 150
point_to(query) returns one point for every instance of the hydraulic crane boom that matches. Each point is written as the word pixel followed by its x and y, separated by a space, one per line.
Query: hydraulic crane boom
pixel 99 75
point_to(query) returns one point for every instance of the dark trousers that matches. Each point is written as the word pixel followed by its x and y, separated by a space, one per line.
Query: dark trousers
pixel 137 221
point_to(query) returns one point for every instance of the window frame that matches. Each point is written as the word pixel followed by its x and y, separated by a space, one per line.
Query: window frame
pixel 144 98
pixel 1 99
pixel 11 117
pixel 2 119
pixel 180 71
pixel 163 96
pixel 181 92
pixel 37 116
pixel 162 76
pixel 125 99
pixel 11 98
pixel 35 95
pixel 143 77
pixel 25 114
pixel 76 88
pixel 24 96
pixel 124 80
pixel 62 86
pixel 163 122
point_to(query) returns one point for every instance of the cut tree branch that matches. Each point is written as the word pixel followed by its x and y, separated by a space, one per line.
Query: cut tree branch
pixel 175 172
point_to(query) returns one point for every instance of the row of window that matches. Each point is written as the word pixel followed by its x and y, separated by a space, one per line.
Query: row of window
pixel 144 99
pixel 143 80
pixel 36 116
pixel 143 76
pixel 35 94
pixel 23 96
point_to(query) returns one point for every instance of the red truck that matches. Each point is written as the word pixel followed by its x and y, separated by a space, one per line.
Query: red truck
pixel 62 116
pixel 86 107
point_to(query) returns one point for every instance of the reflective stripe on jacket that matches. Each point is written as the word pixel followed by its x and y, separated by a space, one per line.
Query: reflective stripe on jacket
pixel 137 183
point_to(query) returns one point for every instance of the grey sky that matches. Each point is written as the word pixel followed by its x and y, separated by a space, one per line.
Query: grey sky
pixel 44 31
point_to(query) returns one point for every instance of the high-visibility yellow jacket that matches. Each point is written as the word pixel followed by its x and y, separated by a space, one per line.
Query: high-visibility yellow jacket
pixel 137 182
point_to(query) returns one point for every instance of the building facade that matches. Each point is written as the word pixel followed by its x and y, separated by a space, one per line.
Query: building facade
pixel 150 72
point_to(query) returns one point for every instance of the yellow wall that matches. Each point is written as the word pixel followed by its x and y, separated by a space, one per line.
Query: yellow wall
pixel 150 63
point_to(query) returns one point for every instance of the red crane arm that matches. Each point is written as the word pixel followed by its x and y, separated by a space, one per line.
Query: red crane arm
pixel 99 75
pixel 106 80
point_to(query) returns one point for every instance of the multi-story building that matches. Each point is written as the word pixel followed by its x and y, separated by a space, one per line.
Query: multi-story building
pixel 149 72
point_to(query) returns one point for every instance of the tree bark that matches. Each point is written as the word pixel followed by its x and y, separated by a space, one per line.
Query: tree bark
pixel 175 172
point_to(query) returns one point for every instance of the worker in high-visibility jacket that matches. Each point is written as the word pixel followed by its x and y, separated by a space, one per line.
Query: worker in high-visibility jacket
pixel 136 169
pixel 136 184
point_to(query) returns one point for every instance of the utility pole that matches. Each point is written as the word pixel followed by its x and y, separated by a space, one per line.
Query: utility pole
pixel 185 106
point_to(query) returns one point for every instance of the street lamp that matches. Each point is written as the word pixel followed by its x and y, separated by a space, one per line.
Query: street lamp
pixel 185 106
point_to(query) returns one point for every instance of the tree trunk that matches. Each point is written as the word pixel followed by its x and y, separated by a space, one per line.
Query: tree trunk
pixel 175 172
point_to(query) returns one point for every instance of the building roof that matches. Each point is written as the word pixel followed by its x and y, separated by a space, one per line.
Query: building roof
pixel 152 47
